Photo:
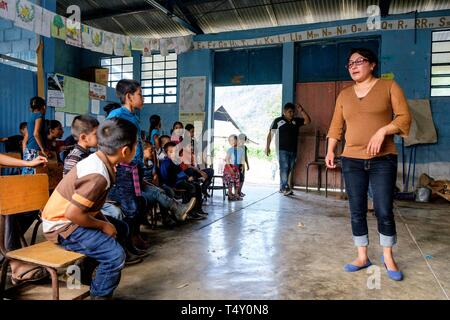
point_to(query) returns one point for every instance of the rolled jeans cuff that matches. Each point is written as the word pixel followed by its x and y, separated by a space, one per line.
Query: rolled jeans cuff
pixel 361 241
pixel 388 241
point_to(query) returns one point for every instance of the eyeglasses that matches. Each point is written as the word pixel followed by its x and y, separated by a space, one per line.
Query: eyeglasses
pixel 356 63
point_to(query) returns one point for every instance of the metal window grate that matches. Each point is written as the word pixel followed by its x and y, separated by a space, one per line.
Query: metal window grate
pixel 440 64
pixel 119 68
pixel 159 78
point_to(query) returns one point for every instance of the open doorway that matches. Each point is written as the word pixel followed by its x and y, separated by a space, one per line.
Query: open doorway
pixel 249 110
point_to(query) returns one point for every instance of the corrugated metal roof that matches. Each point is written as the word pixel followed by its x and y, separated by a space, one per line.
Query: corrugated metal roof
pixel 214 16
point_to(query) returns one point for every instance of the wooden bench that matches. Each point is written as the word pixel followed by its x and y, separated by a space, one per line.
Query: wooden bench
pixel 20 194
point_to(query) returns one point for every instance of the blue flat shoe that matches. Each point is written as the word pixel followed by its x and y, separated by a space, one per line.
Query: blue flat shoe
pixel 394 275
pixel 352 268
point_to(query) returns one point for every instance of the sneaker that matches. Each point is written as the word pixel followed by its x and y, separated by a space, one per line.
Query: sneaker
pixel 131 259
pixel 183 210
pixel 196 216
pixel 286 192
pixel 291 192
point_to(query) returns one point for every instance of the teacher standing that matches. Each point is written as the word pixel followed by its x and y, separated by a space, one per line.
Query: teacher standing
pixel 372 110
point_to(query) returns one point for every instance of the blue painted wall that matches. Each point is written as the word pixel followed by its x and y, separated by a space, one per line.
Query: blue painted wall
pixel 404 53
pixel 17 86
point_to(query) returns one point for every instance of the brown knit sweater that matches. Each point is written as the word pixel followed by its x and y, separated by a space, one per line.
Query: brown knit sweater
pixel 384 104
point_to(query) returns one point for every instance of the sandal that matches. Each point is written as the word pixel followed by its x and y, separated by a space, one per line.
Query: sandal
pixel 40 274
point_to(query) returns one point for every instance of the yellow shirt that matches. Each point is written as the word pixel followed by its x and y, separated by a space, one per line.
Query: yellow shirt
pixel 384 104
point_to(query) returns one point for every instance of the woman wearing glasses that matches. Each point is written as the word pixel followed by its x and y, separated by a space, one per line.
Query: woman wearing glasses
pixel 372 110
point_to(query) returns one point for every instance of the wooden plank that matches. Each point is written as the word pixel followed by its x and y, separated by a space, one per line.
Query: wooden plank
pixel 23 193
pixel 46 254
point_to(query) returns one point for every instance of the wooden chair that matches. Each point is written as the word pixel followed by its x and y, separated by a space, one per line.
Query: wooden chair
pixel 319 159
pixel 53 169
pixel 16 196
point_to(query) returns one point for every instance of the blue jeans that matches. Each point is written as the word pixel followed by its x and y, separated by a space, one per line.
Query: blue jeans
pixel 381 174
pixel 105 250
pixel 286 160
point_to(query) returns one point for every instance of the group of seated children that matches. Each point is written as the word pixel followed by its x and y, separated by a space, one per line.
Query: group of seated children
pixel 104 197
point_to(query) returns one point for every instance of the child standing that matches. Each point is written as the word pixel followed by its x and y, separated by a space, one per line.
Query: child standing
pixel 231 171
pixel 154 130
pixel 35 137
pixel 72 217
pixel 242 139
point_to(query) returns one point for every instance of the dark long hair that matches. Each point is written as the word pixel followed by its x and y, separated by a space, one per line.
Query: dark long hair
pixel 155 120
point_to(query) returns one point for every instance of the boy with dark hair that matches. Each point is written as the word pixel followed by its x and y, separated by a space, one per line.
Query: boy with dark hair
pixel 14 143
pixel 84 130
pixel 161 154
pixel 174 177
pixel 72 217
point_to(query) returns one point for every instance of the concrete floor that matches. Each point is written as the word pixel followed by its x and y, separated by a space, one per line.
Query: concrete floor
pixel 275 247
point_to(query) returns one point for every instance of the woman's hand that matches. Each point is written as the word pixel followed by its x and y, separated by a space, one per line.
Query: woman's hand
pixel 329 160
pixel 375 143
pixel 38 161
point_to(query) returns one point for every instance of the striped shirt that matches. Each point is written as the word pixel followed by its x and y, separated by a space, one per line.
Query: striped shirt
pixel 77 154
pixel 85 186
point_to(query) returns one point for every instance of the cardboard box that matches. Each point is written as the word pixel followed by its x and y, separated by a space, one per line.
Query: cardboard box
pixel 97 75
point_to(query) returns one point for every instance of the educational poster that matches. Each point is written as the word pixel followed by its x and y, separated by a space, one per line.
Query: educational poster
pixel 55 90
pixel 97 91
pixel 86 40
pixel 95 106
pixel 192 94
pixel 149 46
pixel 137 43
pixel 73 33
pixel 76 95
pixel 38 20
pixel 108 42
pixel 58 27
pixel 122 45
pixel 97 40
pixel 47 18
pixel 25 15
pixel 7 9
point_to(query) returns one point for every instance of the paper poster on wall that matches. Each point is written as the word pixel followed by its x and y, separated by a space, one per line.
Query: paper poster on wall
pixel 108 42
pixel 73 33
pixel 97 40
pixel 86 41
pixel 69 119
pixel 25 15
pixel 55 90
pixel 137 43
pixel 95 106
pixel 122 45
pixel 149 46
pixel 47 18
pixel 192 94
pixel 76 95
pixel 7 9
pixel 60 117
pixel 38 21
pixel 58 27
pixel 97 91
